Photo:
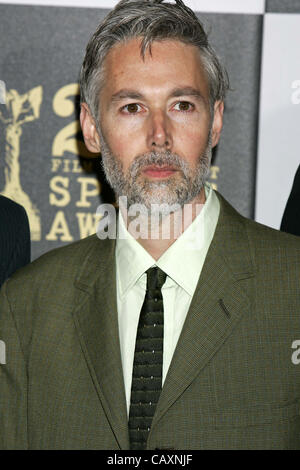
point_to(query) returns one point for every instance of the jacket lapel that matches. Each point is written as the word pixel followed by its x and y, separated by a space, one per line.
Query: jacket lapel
pixel 96 320
pixel 220 299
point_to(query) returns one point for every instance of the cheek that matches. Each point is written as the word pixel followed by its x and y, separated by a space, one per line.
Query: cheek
pixel 192 142
pixel 123 145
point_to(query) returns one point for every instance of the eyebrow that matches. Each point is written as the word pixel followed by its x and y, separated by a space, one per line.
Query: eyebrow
pixel 176 92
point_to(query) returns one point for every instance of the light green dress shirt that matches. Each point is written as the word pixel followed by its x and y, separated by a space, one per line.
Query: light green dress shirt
pixel 182 262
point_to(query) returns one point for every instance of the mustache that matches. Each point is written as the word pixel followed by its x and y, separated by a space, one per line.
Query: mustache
pixel 159 159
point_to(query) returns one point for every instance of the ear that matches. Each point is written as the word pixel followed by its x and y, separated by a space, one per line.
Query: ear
pixel 217 122
pixel 89 130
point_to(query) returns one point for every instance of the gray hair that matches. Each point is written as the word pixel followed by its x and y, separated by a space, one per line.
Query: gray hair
pixel 150 20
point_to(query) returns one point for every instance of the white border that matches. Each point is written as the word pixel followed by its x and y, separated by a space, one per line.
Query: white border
pixel 209 6
pixel 279 117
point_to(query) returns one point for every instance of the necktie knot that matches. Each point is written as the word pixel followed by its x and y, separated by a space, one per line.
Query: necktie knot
pixel 155 278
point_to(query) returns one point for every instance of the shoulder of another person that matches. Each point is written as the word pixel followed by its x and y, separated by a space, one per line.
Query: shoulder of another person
pixel 6 203
pixel 11 212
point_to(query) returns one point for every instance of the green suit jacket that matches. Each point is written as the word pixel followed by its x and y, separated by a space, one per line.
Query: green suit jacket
pixel 234 381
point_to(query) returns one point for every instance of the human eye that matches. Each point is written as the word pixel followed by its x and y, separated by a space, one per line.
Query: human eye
pixel 184 106
pixel 132 108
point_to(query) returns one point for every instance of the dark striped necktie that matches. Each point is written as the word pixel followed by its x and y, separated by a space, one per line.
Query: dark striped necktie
pixel 148 358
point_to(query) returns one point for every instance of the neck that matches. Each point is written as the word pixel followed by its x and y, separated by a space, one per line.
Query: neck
pixel 156 234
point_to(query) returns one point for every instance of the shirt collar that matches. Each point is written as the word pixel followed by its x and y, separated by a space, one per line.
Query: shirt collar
pixel 182 261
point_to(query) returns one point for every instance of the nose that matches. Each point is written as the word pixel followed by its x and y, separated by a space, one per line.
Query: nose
pixel 159 136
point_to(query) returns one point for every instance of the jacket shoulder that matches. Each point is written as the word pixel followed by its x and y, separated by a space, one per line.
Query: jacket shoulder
pixel 275 254
pixel 65 260
pixel 270 239
pixel 259 234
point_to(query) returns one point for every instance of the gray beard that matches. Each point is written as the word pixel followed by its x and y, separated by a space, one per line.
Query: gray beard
pixel 175 191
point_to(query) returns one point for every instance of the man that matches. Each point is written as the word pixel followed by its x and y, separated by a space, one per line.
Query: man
pixel 291 218
pixel 14 238
pixel 179 342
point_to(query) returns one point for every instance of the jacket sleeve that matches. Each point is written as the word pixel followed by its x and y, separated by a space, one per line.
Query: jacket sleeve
pixel 13 381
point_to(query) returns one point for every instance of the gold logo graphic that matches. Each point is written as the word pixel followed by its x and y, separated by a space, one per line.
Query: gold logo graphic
pixel 21 109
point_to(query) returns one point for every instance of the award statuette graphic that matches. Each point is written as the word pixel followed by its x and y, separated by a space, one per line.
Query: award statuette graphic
pixel 20 110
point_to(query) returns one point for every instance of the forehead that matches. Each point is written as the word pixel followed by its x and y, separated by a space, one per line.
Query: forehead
pixel 171 63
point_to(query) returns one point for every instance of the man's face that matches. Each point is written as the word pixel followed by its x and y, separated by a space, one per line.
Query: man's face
pixel 155 131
